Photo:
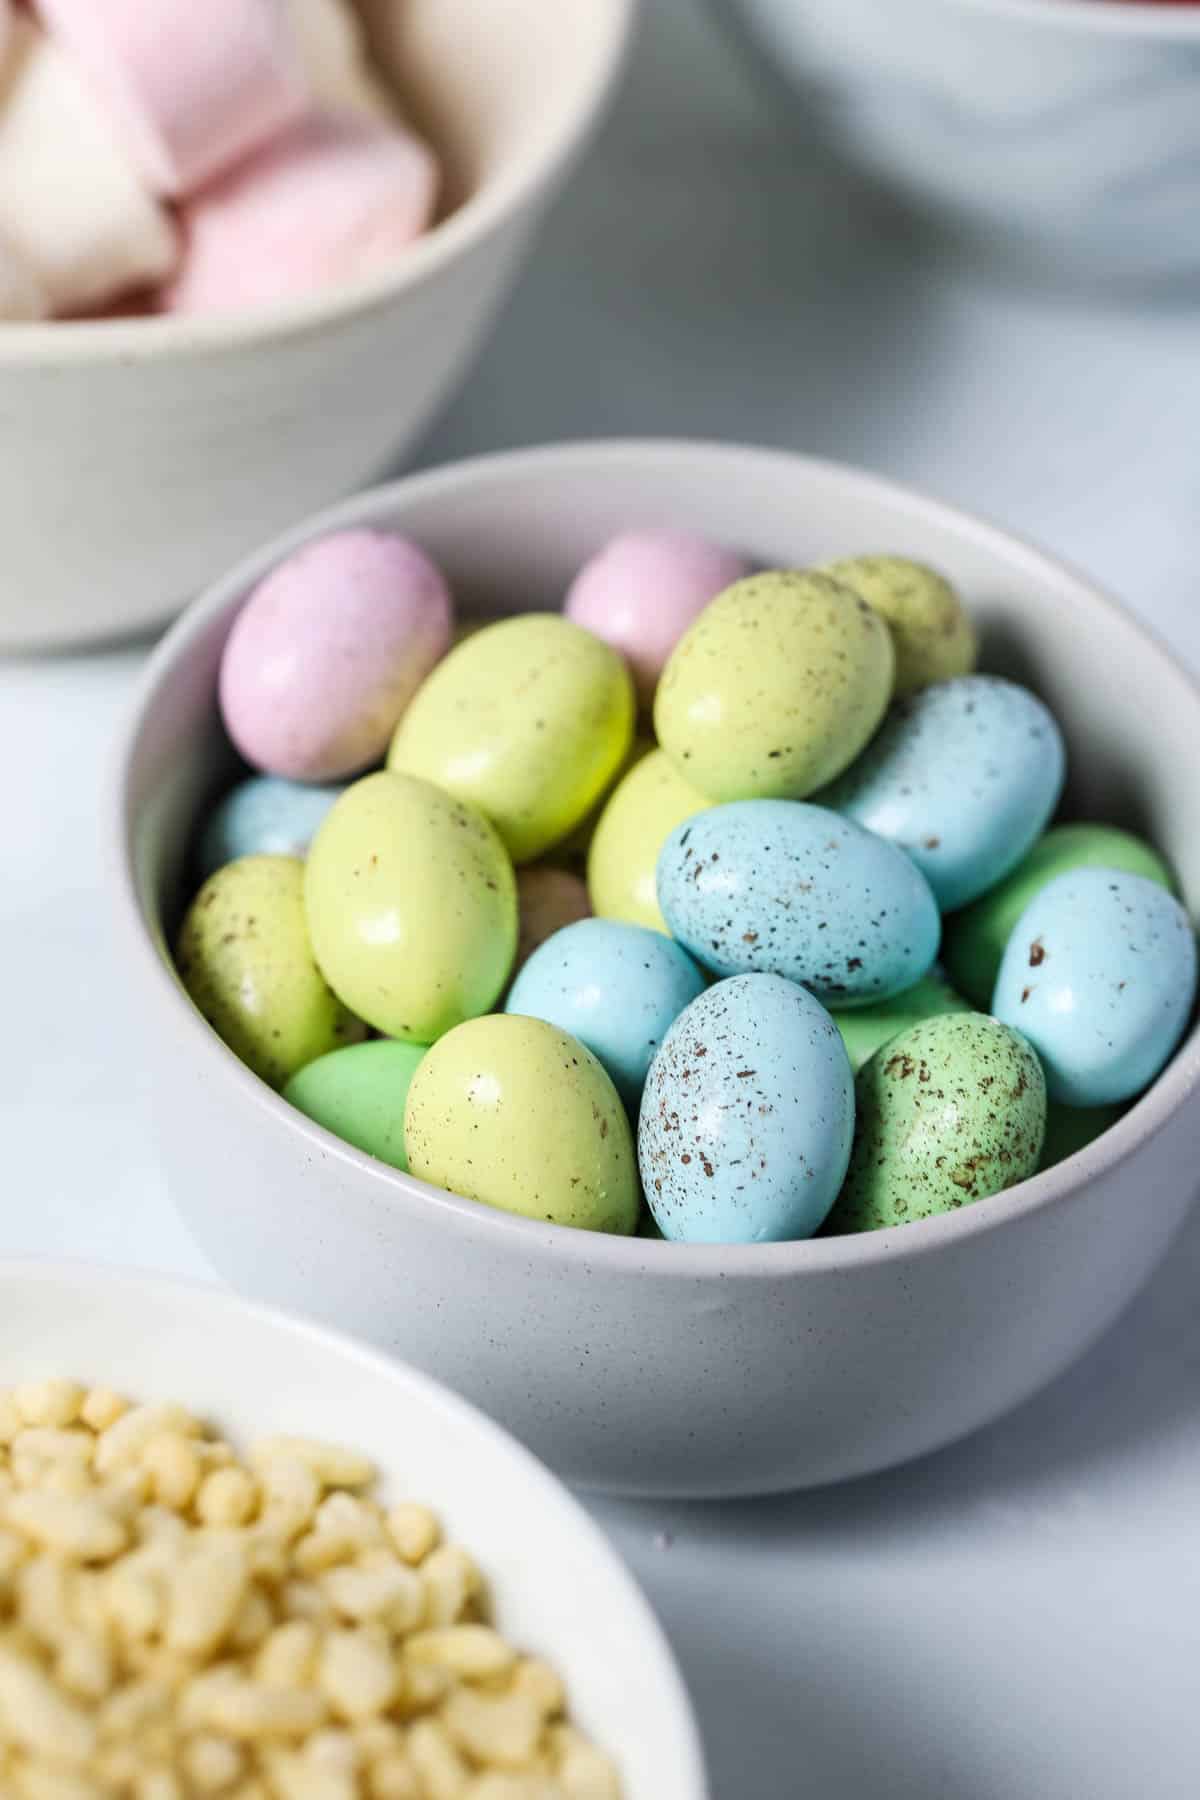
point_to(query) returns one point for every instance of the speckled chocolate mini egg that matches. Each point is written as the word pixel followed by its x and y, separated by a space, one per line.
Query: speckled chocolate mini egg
pixel 933 637
pixel 1100 975
pixel 776 687
pixel 245 958
pixel 263 816
pixel 947 1113
pixel 963 777
pixel 412 907
pixel 977 936
pixel 790 889
pixel 529 720
pixel 617 988
pixel 548 899
pixel 747 1116
pixel 643 810
pixel 517 1114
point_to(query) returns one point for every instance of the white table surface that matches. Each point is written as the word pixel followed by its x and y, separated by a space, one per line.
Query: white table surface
pixel 1017 1617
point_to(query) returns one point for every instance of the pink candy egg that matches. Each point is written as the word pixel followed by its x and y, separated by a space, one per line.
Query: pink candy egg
pixel 642 591
pixel 327 652
pixel 548 899
pixel 192 87
pixel 335 198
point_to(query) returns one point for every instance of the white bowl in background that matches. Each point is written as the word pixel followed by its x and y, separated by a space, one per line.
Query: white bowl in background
pixel 1065 129
pixel 141 454
pixel 634 1365
pixel 559 1589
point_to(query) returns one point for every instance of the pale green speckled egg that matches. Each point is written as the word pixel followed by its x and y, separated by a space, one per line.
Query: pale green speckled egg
pixel 529 720
pixel 776 687
pixel 412 906
pixel 515 1113
pixel 245 958
pixel 932 635
pixel 641 814
pixel 949 1112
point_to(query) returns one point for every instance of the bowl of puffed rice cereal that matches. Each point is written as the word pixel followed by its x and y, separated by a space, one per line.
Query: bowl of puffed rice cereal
pixel 242 1556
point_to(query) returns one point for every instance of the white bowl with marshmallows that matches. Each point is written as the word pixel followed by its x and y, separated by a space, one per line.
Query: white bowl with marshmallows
pixel 232 288
pixel 235 1548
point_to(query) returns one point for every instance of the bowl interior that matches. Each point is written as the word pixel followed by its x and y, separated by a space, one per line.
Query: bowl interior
pixel 558 1588
pixel 510 532
pixel 491 87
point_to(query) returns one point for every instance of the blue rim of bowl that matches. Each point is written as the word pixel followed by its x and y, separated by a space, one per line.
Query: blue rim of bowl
pixel 1178 1084
pixel 351 1349
pixel 480 217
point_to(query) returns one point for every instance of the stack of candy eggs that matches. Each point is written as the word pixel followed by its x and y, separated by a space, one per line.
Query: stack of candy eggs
pixel 155 157
pixel 833 967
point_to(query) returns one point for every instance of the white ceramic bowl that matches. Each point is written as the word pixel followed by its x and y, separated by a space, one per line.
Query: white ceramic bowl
pixel 1067 128
pixel 644 1366
pixel 141 454
pixel 558 1587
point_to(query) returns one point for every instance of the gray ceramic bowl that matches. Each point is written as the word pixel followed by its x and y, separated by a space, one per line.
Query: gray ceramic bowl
pixel 1065 130
pixel 641 1366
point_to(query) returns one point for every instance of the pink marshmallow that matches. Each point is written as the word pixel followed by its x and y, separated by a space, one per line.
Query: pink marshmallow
pixel 192 87
pixel 642 591
pixel 328 651
pixel 336 198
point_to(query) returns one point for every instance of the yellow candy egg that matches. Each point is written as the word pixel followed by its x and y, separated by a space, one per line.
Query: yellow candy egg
pixel 933 638
pixel 412 906
pixel 245 958
pixel 529 720
pixel 517 1114
pixel 776 687
pixel 641 814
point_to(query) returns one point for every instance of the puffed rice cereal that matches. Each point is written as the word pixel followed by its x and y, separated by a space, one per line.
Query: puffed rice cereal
pixel 180 1623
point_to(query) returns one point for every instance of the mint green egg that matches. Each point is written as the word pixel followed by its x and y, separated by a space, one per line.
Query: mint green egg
pixel 1072 1128
pixel 947 1113
pixel 867 1029
pixel 975 938
pixel 359 1095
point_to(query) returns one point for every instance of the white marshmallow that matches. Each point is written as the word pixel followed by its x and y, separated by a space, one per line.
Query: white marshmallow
pixel 71 202
pixel 22 296
pixel 337 67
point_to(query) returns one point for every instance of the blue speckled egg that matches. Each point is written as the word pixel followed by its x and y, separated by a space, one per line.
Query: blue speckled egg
pixel 747 1117
pixel 963 776
pixel 1100 975
pixel 784 888
pixel 615 987
pixel 263 816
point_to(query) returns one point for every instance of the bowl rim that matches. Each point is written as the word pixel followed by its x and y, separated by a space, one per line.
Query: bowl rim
pixel 495 202
pixel 323 1339
pixel 1119 18
pixel 599 1252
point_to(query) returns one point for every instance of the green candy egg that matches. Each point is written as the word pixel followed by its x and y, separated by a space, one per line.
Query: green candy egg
pixel 949 1112
pixel 933 638
pixel 529 720
pixel 1073 1128
pixel 359 1093
pixel 776 688
pixel 975 938
pixel 517 1114
pixel 640 816
pixel 412 906
pixel 245 958
pixel 864 1031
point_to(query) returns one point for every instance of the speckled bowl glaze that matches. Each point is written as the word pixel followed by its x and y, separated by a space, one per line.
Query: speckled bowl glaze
pixel 1063 130
pixel 152 450
pixel 556 1584
pixel 635 1365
